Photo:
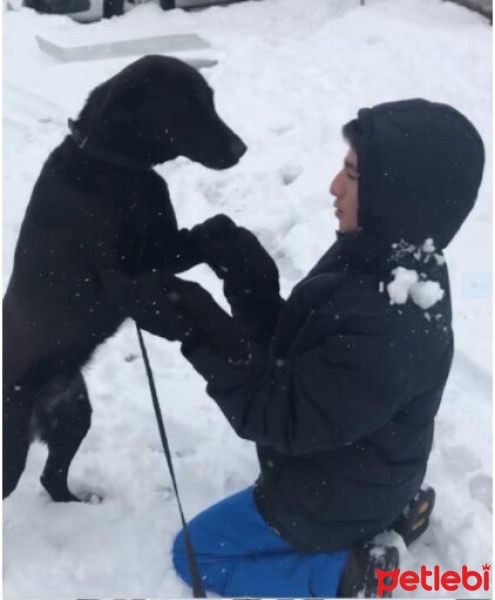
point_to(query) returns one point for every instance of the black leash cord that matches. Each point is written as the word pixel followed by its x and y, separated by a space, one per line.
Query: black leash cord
pixel 198 588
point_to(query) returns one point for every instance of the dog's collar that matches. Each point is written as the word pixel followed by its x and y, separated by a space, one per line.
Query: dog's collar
pixel 98 153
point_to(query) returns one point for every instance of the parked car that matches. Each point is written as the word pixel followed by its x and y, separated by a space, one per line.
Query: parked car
pixel 94 10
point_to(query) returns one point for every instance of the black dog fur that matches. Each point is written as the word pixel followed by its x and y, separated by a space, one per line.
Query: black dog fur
pixel 99 217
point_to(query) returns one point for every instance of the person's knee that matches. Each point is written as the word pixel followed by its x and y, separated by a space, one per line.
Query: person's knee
pixel 213 569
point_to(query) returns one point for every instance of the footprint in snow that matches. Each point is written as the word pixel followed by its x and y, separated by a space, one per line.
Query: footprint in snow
pixel 289 173
pixel 481 489
pixel 460 460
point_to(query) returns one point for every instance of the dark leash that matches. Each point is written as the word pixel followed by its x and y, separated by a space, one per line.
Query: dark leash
pixel 198 588
pixel 85 145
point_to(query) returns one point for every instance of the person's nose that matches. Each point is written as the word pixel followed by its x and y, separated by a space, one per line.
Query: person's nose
pixel 335 186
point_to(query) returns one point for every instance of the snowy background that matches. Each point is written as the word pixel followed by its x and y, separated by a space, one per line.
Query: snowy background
pixel 291 72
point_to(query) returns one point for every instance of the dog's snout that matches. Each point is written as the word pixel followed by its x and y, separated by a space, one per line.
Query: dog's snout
pixel 238 148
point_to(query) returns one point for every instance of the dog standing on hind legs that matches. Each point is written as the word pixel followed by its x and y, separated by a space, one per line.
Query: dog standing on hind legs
pixel 99 218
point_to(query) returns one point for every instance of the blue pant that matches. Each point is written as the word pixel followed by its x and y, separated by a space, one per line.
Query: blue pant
pixel 239 555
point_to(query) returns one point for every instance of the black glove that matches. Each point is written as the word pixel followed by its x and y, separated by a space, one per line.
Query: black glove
pixel 237 257
pixel 154 309
pixel 182 310
pixel 250 275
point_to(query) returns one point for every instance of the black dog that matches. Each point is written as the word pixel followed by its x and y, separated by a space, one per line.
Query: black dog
pixel 99 217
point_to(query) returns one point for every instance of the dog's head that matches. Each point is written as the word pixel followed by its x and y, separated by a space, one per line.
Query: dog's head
pixel 156 109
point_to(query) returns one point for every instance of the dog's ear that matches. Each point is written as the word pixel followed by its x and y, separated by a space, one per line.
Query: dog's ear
pixel 109 103
pixel 122 102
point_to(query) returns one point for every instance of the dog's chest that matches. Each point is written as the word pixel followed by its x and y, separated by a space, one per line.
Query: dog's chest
pixel 147 221
pixel 129 237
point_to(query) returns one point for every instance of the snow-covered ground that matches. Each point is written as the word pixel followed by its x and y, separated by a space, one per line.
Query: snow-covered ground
pixel 291 72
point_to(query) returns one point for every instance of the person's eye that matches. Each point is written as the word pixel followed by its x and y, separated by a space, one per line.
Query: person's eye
pixel 352 174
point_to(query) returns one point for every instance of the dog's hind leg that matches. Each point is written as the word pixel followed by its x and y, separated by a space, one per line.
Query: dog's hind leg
pixel 18 401
pixel 63 420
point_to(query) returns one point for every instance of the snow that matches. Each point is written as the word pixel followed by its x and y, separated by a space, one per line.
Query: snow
pixel 399 289
pixel 426 293
pixel 290 74
pixel 428 246
pixel 406 284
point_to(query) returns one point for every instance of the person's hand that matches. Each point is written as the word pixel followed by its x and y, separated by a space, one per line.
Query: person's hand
pixel 180 310
pixel 155 310
pixel 237 257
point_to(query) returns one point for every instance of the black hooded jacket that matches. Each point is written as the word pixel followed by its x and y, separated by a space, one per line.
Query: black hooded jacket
pixel 341 401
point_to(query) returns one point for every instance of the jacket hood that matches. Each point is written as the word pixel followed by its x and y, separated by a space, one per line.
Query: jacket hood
pixel 421 165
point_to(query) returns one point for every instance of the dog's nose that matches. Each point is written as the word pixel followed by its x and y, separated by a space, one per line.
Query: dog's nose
pixel 238 148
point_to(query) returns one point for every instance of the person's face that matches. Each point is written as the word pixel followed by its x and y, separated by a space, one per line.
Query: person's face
pixel 345 189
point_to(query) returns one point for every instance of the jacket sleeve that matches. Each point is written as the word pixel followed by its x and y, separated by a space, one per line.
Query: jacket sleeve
pixel 329 395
